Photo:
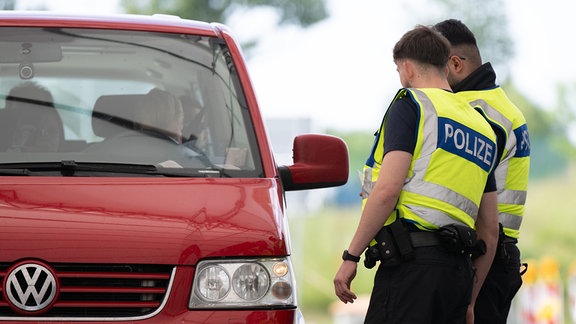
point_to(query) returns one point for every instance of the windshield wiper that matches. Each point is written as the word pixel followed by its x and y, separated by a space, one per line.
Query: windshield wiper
pixel 14 172
pixel 70 168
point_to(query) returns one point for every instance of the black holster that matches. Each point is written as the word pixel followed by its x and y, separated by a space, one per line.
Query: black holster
pixel 392 246
pixel 462 240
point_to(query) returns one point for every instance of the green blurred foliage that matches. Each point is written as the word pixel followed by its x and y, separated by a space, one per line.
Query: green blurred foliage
pixel 551 149
pixel 318 241
pixel 539 120
pixel 7 4
pixel 303 12
pixel 359 145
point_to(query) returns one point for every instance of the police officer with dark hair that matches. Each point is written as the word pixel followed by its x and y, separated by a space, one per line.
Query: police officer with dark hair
pixel 475 82
pixel 427 185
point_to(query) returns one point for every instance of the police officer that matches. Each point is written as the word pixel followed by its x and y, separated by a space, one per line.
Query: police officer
pixel 429 169
pixel 476 83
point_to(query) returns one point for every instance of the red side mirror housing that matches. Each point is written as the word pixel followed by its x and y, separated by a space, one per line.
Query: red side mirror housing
pixel 320 161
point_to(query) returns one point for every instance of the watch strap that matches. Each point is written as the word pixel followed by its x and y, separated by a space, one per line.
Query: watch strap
pixel 349 257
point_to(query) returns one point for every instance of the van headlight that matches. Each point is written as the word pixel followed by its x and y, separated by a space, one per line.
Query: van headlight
pixel 243 283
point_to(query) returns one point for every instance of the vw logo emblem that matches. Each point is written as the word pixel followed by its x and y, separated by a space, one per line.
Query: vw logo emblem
pixel 30 287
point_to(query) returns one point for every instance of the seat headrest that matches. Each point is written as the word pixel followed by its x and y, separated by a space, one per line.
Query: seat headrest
pixel 114 113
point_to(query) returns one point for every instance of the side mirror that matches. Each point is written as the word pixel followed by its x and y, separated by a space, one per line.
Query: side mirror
pixel 320 161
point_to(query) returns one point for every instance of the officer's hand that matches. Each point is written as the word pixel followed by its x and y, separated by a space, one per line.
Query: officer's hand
pixel 342 281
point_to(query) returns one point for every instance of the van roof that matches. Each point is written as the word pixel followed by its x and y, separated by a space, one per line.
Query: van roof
pixel 157 23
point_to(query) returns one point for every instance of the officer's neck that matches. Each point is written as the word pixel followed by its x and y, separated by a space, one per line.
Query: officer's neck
pixel 430 81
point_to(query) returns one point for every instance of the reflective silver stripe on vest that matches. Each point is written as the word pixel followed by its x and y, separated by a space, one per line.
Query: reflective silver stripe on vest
pixel 417 184
pixel 505 196
pixel 367 183
pixel 510 221
pixel 508 196
pixel 438 217
pixel 494 114
pixel 438 192
pixel 512 197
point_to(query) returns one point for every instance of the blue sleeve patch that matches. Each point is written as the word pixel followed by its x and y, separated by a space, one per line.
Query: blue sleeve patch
pixel 465 142
pixel 522 141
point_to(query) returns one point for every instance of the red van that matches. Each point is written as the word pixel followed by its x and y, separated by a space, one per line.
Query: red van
pixel 137 181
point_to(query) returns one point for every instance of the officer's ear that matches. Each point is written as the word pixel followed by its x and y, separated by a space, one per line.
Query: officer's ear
pixel 409 69
pixel 456 63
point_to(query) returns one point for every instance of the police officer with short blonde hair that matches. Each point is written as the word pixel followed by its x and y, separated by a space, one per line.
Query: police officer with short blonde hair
pixel 427 185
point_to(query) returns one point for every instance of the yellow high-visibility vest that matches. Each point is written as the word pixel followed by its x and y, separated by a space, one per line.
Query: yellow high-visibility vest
pixel 513 170
pixel 454 153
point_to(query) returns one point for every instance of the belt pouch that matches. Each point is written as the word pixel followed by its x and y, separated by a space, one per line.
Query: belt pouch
pixel 402 240
pixel 387 248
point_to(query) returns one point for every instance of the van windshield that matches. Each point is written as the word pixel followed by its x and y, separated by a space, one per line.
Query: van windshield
pixel 113 98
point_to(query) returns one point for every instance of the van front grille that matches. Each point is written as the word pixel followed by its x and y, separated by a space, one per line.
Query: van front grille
pixel 88 291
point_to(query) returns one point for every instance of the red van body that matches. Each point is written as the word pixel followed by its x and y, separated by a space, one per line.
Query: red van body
pixel 112 221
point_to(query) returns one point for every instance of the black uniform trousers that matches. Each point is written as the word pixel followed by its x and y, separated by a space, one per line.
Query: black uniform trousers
pixel 501 285
pixel 434 287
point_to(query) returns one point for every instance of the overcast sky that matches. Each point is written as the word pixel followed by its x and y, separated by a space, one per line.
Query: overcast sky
pixel 340 72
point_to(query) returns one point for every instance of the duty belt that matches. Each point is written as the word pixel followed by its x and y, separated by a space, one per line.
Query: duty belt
pixel 424 238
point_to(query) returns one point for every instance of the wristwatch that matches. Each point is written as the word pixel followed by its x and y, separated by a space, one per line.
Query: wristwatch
pixel 349 257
